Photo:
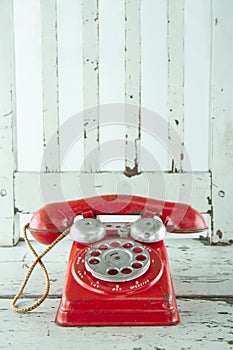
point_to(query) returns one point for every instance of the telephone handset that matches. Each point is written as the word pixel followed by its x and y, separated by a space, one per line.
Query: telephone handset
pixel 117 273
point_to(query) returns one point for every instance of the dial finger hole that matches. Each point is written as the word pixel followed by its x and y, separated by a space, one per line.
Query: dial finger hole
pixel 94 261
pixel 126 270
pixel 112 272
pixel 103 247
pixel 115 244
pixel 128 245
pixel 137 265
pixel 141 257
pixel 137 250
pixel 95 253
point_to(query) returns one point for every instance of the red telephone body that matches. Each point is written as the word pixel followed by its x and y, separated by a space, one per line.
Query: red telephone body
pixel 145 298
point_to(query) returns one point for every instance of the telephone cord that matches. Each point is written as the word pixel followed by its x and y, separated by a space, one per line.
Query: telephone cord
pixel 37 260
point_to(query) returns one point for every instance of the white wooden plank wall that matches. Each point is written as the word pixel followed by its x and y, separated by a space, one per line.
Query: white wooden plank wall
pixel 20 191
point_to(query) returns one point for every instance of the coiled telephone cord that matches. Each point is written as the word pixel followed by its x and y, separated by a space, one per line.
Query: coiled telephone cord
pixel 37 260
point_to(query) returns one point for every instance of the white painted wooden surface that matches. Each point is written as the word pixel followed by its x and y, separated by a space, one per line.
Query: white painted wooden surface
pixel 198 330
pixel 175 93
pixel 132 85
pixel 91 84
pixel 72 185
pixel 203 281
pixel 7 123
pixel 51 160
pixel 221 116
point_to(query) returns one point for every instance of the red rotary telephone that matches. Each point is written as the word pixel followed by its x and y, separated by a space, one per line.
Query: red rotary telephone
pixel 118 273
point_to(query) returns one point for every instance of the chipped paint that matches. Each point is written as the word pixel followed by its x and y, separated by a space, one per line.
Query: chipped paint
pixel 129 172
pixel 219 234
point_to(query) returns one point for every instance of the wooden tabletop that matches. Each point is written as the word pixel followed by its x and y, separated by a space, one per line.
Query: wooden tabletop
pixel 203 281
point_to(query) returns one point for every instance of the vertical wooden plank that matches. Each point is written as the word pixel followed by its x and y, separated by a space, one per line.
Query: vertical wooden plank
pixel 197 82
pixel 175 100
pixel 7 124
pixel 132 85
pixel 90 12
pixel 221 118
pixel 50 84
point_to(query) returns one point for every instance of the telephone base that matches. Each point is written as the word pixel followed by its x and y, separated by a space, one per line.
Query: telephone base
pixel 120 317
pixel 146 300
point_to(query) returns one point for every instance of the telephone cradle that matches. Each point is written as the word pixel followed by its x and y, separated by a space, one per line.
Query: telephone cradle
pixel 117 273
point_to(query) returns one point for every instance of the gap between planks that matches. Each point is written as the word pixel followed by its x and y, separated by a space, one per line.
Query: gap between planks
pixel 226 298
